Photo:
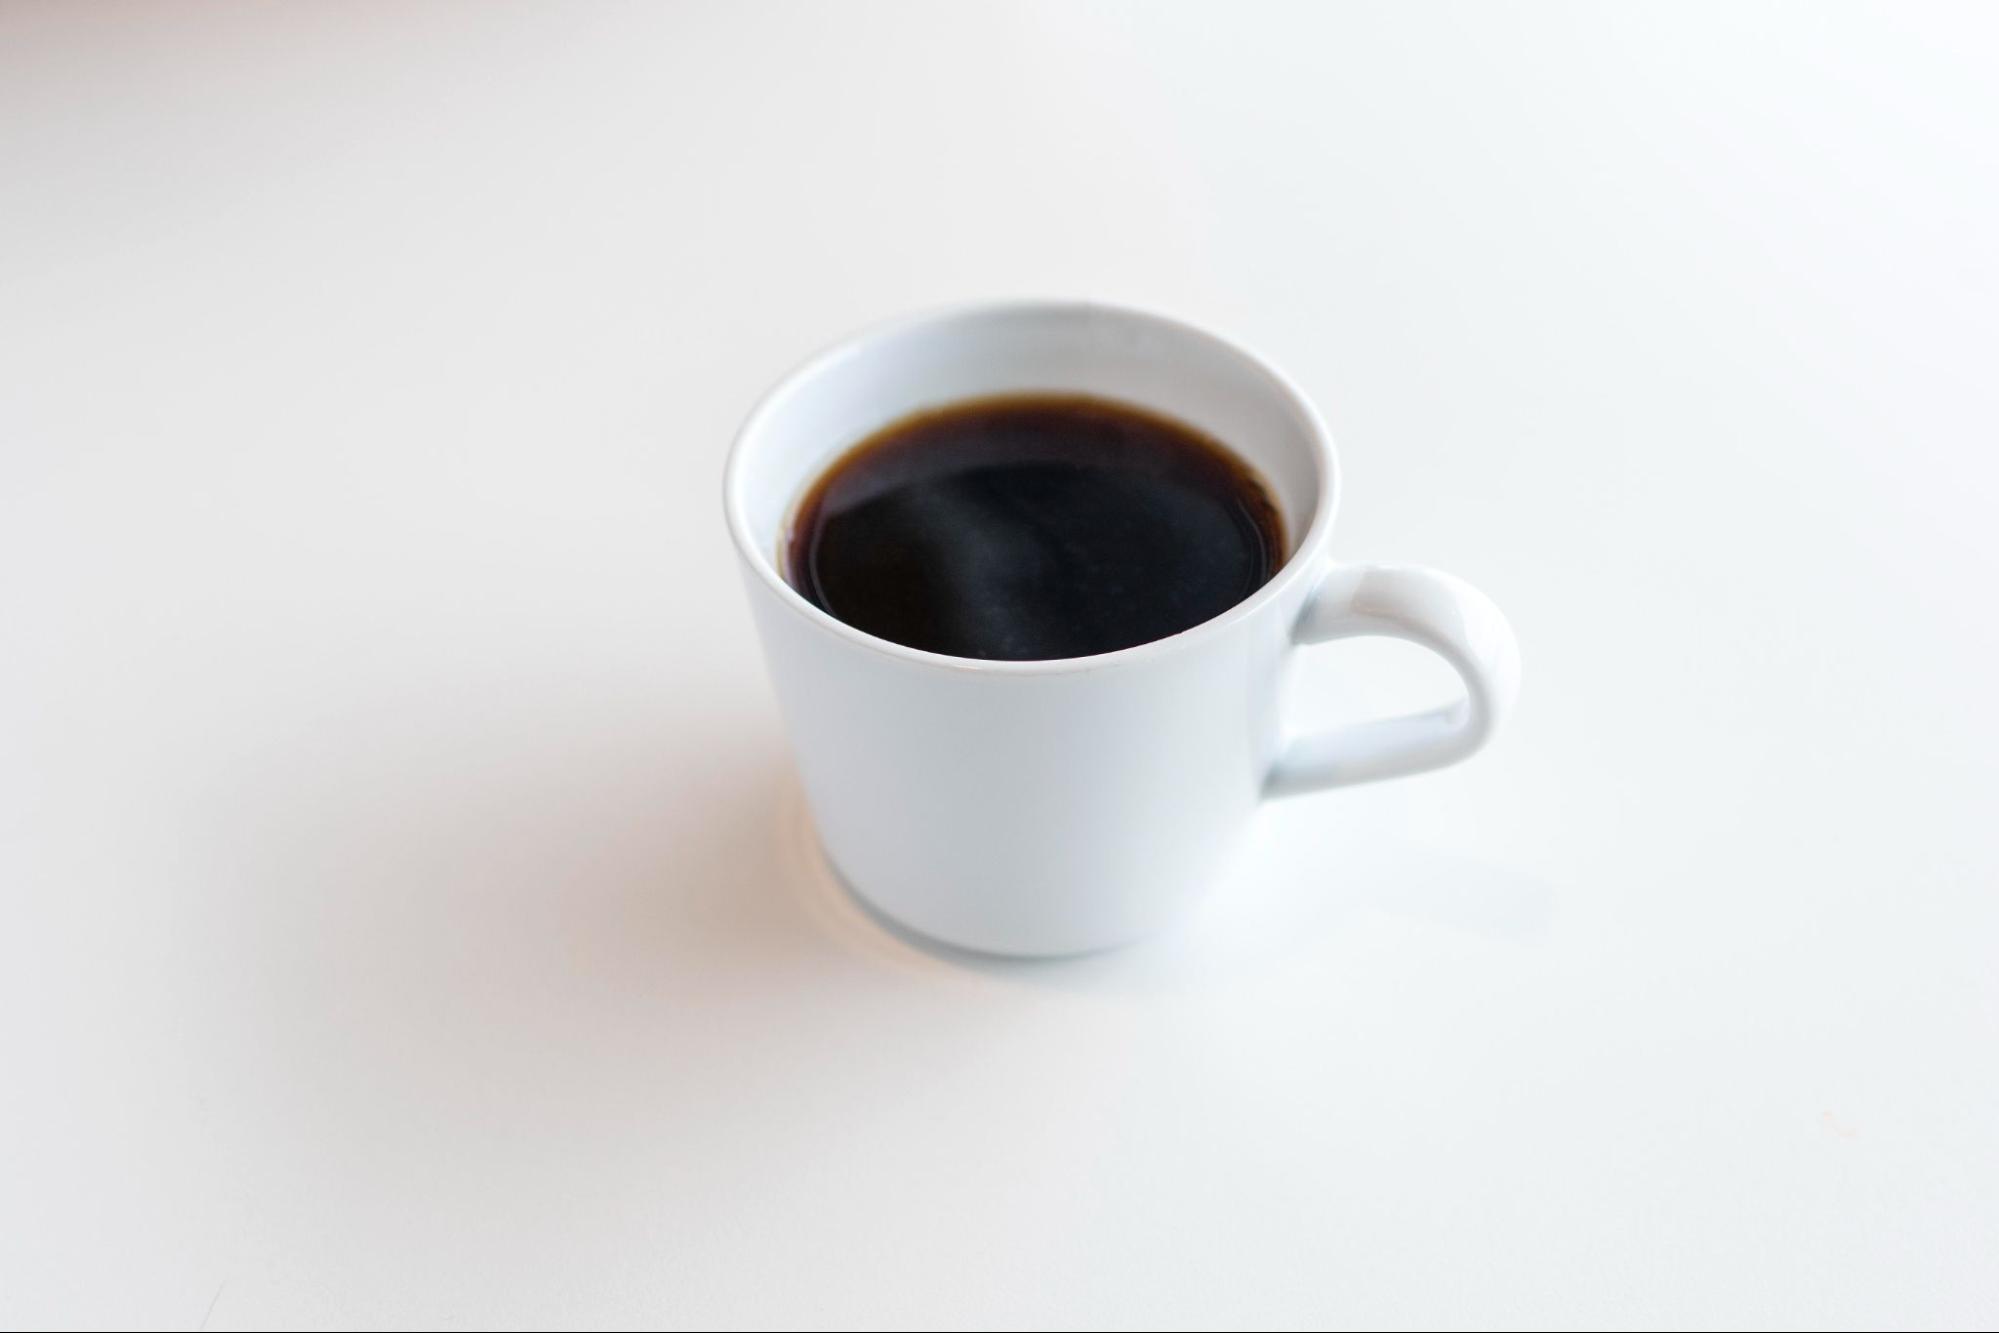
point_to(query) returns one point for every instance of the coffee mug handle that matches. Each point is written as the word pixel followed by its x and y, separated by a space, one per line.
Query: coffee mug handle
pixel 1444 614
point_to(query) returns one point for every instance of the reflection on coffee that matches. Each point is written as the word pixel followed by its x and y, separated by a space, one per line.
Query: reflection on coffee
pixel 1033 526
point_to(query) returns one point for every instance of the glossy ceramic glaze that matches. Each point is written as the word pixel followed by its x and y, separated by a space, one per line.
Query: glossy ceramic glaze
pixel 1055 807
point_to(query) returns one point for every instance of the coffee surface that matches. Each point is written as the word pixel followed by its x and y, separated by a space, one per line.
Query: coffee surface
pixel 1032 527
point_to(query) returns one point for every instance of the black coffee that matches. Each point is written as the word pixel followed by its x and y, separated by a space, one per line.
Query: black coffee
pixel 1034 527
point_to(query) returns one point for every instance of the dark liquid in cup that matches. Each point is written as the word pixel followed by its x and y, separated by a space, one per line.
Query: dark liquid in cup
pixel 1034 526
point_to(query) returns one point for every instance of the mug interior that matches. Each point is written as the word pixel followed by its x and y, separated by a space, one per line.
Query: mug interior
pixel 862 385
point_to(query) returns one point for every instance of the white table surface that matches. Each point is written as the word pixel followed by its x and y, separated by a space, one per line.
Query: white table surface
pixel 408 915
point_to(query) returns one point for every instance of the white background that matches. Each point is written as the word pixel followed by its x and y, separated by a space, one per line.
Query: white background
pixel 407 914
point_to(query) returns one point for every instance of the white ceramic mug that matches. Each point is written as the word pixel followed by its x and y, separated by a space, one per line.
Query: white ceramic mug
pixel 1058 807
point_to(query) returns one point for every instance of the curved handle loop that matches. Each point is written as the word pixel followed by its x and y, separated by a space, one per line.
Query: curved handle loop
pixel 1444 614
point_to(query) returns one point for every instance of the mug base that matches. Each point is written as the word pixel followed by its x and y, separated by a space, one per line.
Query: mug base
pixel 961 951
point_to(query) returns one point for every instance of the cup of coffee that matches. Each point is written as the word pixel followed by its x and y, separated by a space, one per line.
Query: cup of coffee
pixel 1027 577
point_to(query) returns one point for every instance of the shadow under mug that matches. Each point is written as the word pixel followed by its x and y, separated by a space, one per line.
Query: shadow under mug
pixel 1056 807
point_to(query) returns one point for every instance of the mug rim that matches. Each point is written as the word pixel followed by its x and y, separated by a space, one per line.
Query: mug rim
pixel 736 506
